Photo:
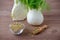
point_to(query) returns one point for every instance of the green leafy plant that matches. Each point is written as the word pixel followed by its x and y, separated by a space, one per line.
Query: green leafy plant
pixel 35 4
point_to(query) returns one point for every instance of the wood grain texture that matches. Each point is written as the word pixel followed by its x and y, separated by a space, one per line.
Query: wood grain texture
pixel 52 19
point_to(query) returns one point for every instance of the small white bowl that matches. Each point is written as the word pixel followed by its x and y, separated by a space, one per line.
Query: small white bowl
pixel 18 33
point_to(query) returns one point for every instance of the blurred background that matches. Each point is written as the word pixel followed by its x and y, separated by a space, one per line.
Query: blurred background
pixel 52 17
pixel 6 6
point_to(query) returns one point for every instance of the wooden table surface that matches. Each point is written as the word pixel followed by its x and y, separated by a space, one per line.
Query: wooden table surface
pixel 52 19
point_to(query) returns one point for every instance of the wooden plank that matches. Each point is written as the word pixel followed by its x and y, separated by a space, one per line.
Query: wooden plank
pixel 52 19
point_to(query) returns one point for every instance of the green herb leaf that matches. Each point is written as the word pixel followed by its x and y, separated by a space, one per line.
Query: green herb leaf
pixel 35 4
